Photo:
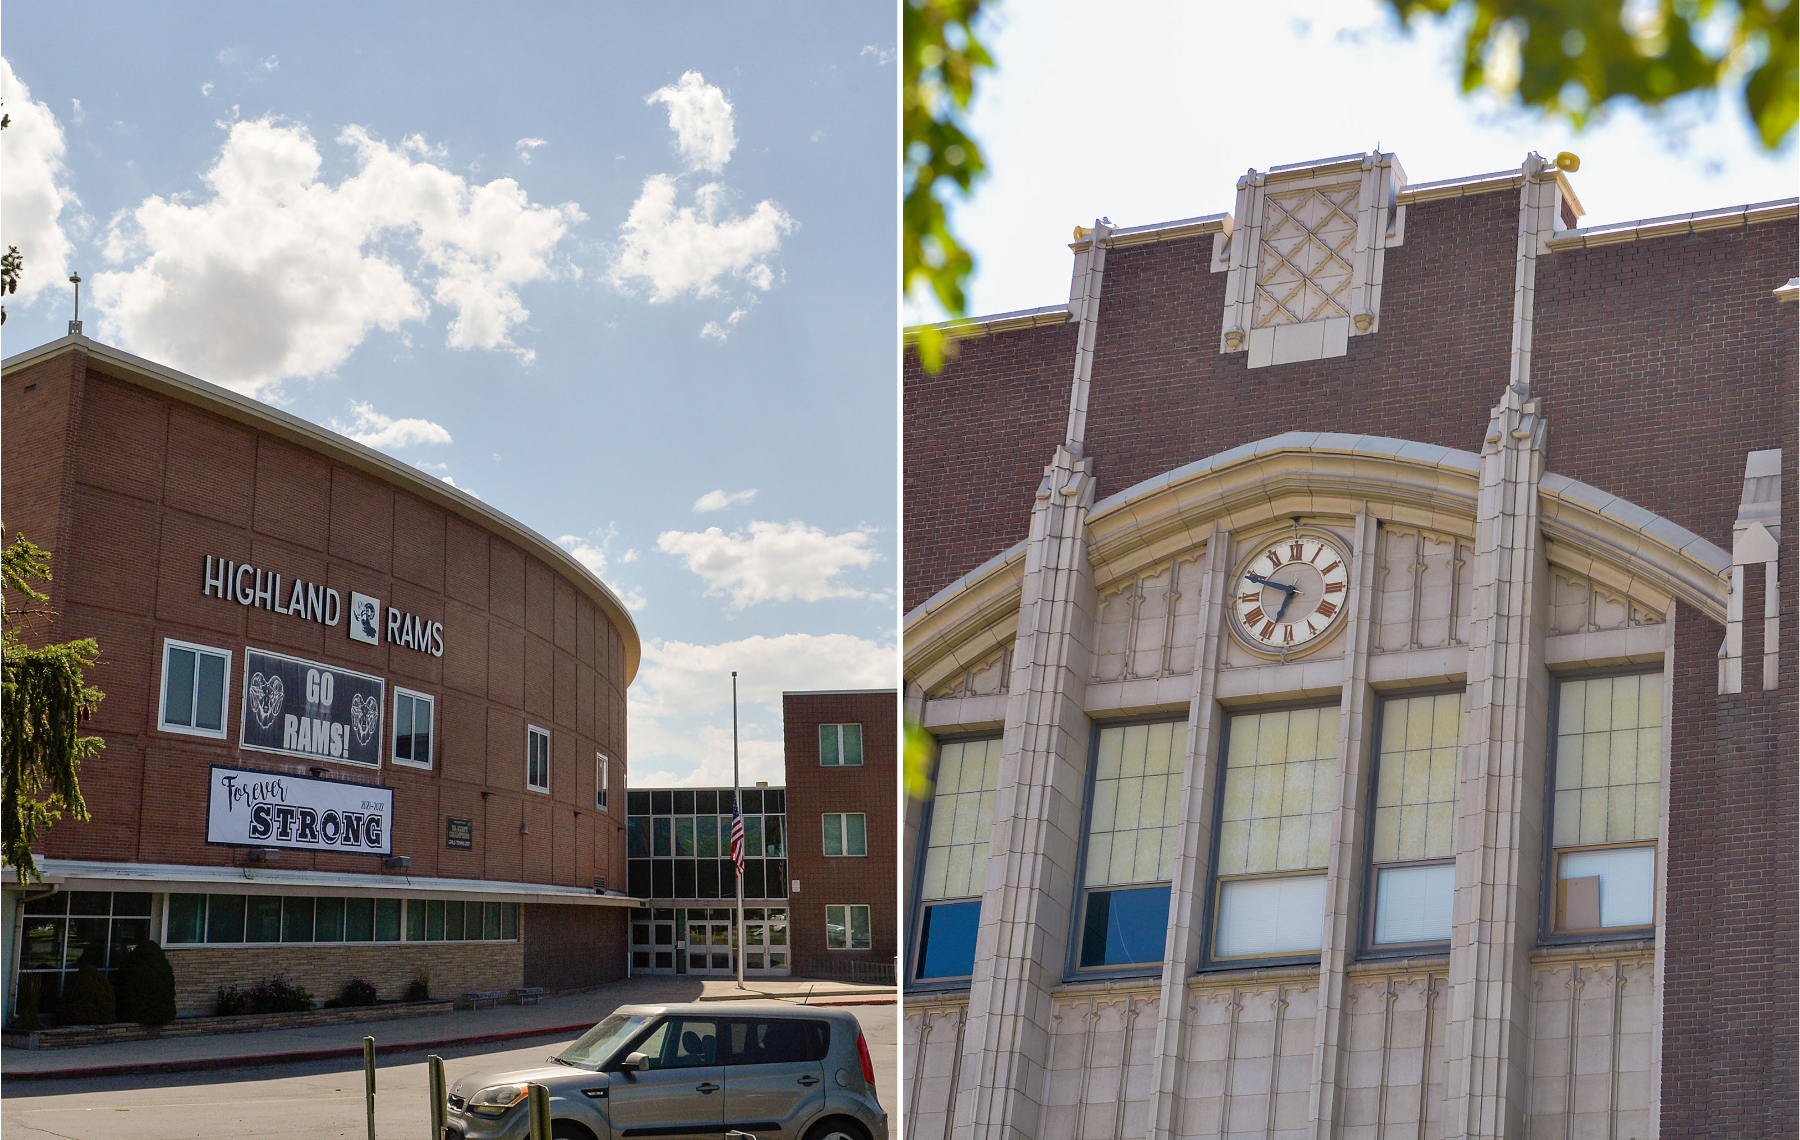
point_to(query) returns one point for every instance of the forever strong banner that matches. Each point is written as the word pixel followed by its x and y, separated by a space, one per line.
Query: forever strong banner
pixel 269 809
pixel 317 712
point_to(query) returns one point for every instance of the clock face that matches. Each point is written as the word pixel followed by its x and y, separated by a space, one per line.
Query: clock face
pixel 1291 593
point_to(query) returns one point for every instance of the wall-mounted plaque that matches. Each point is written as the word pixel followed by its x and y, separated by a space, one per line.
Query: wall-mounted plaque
pixel 459 833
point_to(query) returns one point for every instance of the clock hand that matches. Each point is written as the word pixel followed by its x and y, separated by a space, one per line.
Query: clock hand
pixel 1292 590
pixel 1285 602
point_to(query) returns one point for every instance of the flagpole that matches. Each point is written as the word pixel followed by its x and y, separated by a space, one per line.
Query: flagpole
pixel 737 804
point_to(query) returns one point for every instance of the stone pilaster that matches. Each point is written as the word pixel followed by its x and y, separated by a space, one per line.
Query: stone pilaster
pixel 1500 794
pixel 1344 881
pixel 1193 847
pixel 1022 944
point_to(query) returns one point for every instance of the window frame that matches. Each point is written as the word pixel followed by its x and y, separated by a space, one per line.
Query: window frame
pixel 394 733
pixel 1547 932
pixel 602 781
pixel 1365 942
pixel 162 693
pixel 161 913
pixel 1209 918
pixel 843 818
pixel 1073 970
pixel 915 929
pixel 849 938
pixel 840 726
pixel 531 732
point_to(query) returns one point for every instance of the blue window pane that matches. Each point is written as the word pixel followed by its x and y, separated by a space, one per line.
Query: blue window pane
pixel 947 940
pixel 1125 928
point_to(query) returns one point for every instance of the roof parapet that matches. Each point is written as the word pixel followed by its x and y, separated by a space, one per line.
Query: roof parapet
pixel 1729 217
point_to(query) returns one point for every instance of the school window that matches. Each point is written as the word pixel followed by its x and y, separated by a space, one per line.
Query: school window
pixel 1274 833
pixel 846 833
pixel 537 759
pixel 847 928
pixel 196 680
pixel 1133 819
pixel 1413 833
pixel 602 778
pixel 412 729
pixel 840 745
pixel 956 852
pixel 193 919
pixel 1606 803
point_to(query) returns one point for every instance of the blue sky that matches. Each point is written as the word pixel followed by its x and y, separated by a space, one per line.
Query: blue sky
pixel 1149 110
pixel 624 271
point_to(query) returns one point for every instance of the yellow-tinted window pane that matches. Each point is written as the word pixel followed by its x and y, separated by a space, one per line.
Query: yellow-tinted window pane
pixel 1280 781
pixel 1137 791
pixel 1415 784
pixel 962 813
pixel 1608 760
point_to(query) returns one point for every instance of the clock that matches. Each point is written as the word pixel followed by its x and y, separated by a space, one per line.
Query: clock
pixel 1291 594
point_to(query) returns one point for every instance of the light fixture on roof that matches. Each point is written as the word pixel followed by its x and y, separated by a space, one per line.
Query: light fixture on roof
pixel 397 862
pixel 1568 161
pixel 75 325
pixel 264 854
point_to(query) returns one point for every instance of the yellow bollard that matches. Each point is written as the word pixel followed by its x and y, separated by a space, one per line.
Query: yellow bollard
pixel 540 1112
pixel 434 1068
pixel 369 1081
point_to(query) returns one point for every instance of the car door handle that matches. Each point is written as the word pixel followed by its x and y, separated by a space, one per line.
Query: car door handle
pixel 707 1087
pixel 809 1082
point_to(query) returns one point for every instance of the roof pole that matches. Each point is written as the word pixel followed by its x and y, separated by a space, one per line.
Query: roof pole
pixel 737 797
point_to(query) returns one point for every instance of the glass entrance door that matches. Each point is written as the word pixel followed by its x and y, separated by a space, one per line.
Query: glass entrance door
pixel 765 941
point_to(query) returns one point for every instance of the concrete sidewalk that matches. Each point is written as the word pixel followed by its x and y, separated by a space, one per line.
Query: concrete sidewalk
pixel 566 1015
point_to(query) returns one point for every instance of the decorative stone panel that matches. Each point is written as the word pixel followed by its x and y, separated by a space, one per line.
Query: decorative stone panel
pixel 1149 623
pixel 986 678
pixel 1578 605
pixel 1422 590
pixel 1393 1078
pixel 1248 1054
pixel 1591 1049
pixel 1305 258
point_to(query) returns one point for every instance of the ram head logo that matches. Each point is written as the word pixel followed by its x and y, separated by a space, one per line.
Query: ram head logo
pixel 265 698
pixel 368 621
pixel 365 715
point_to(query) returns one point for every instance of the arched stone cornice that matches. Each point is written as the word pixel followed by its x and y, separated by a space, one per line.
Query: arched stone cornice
pixel 1321 475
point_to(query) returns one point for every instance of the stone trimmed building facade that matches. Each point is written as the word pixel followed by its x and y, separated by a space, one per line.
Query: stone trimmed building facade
pixel 1357 632
pixel 357 722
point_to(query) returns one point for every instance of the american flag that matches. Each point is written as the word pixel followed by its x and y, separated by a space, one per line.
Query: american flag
pixel 737 837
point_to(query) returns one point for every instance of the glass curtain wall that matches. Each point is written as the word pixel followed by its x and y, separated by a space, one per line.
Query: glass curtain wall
pixel 1133 817
pixel 955 860
pixel 1413 828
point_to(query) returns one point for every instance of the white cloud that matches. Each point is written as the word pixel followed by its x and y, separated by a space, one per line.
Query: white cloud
pixel 35 191
pixel 526 146
pixel 464 490
pixel 881 54
pixel 585 552
pixel 719 500
pixel 772 562
pixel 76 113
pixel 717 331
pixel 701 118
pixel 206 89
pixel 680 704
pixel 687 249
pixel 280 274
pixel 370 427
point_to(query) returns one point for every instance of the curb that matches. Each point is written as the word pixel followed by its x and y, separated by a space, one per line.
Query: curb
pixel 206 1064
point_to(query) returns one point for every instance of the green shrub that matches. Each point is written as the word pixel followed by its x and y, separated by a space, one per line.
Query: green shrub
pixel 31 994
pixel 145 986
pixel 87 999
pixel 356 992
pixel 419 989
pixel 274 995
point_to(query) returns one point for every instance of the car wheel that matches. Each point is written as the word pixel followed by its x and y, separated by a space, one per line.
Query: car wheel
pixel 568 1130
pixel 837 1128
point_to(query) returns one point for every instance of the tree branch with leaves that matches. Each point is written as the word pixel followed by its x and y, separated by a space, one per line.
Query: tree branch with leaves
pixel 43 701
pixel 943 58
pixel 1569 58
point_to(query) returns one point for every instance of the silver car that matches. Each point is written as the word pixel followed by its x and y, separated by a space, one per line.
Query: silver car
pixel 690 1072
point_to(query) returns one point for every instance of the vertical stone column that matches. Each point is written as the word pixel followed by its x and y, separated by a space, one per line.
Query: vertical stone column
pixel 1022 943
pixel 1344 885
pixel 1500 795
pixel 1193 846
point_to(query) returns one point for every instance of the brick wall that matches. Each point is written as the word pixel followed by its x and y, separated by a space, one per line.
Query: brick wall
pixel 573 947
pixel 131 489
pixel 454 968
pixel 813 790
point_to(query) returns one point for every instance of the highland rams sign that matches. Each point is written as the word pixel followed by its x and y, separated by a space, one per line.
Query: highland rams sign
pixel 249 585
pixel 313 711
pixel 266 809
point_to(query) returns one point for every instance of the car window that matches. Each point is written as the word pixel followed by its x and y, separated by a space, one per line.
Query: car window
pixel 682 1043
pixel 599 1043
pixel 775 1040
